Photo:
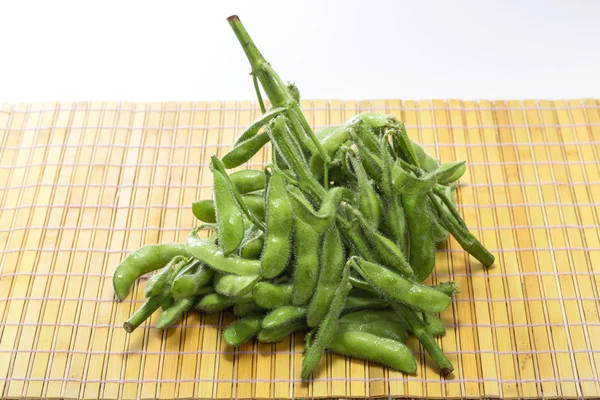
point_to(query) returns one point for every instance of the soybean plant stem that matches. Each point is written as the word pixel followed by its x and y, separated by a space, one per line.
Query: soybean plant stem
pixel 438 190
pixel 258 95
pixel 419 329
pixel 462 235
pixel 274 88
pixel 145 311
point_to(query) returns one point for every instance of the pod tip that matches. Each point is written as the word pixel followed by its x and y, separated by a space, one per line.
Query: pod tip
pixel 233 18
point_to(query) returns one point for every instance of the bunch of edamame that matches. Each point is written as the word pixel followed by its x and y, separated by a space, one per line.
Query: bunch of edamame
pixel 333 237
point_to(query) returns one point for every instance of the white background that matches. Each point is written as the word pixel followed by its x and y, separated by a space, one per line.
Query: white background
pixel 185 50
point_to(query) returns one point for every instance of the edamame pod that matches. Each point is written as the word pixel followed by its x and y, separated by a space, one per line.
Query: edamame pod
pixel 277 248
pixel 235 285
pixel 278 334
pixel 427 162
pixel 325 218
pixel 252 245
pixel 269 295
pixel 355 303
pixel 332 265
pixel 142 261
pixel 249 180
pixel 366 316
pixel 449 172
pixel 422 243
pixel 385 329
pixel 241 330
pixel 328 327
pixel 191 285
pixel 244 151
pixel 229 216
pixel 210 255
pixel 247 309
pixel 368 201
pixel 388 352
pixel 306 272
pixel 421 331
pixel 435 325
pixel 283 316
pixel 396 287
pixel 157 283
pixel 255 126
pixel 172 314
pixel 215 302
pixel 204 210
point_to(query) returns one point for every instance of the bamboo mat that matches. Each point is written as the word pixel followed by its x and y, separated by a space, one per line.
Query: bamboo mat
pixel 83 184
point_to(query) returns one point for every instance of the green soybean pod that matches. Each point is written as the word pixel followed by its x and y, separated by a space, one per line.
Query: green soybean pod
pixel 325 217
pixel 354 303
pixel 420 330
pixel 449 172
pixel 229 217
pixel 435 325
pixel 172 314
pixel 241 330
pixel 330 276
pixel 306 273
pixel 439 233
pixel 252 249
pixel 422 242
pixel 157 283
pixel 247 309
pixel 357 242
pixel 210 255
pixel 331 143
pixel 328 326
pixel 386 250
pixel 280 222
pixel 369 315
pixel 249 180
pixel 283 316
pixel 427 162
pixel 372 119
pixel 367 346
pixel 256 205
pixel 293 91
pixel 401 144
pixel 191 284
pixel 386 329
pixel 235 285
pixel 142 261
pixel 255 126
pixel 215 302
pixel 244 151
pixel 168 302
pixel 395 217
pixel 368 201
pixel 396 287
pixel 322 136
pixel 204 210
pixel 269 295
pixel 278 334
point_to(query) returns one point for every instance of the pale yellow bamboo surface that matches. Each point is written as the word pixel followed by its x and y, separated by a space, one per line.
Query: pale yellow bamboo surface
pixel 82 184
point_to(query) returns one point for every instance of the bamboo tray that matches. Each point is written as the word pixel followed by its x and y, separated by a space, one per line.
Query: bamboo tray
pixel 82 184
